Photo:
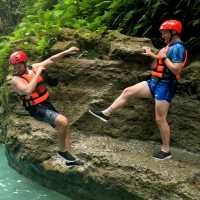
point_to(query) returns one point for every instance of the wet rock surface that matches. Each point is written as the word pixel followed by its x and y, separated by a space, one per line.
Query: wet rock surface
pixel 113 168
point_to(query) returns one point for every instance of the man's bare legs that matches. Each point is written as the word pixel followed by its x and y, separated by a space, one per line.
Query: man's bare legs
pixel 161 110
pixel 64 138
pixel 61 123
pixel 139 90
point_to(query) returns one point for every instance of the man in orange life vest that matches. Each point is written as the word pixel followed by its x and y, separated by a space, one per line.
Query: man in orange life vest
pixel 30 85
pixel 162 85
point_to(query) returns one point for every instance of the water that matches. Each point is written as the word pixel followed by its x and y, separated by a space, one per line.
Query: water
pixel 14 186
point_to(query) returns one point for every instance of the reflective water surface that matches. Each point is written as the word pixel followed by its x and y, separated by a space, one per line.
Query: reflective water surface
pixel 14 186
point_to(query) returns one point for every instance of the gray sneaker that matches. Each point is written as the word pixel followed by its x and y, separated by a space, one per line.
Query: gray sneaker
pixel 70 160
pixel 67 156
pixel 161 155
pixel 100 115
pixel 74 163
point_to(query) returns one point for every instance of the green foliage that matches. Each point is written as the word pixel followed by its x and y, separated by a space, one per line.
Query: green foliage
pixel 4 92
pixel 142 17
pixel 4 52
pixel 11 13
pixel 4 98
pixel 136 18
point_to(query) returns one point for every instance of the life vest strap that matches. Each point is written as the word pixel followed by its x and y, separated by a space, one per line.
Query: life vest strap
pixel 157 74
pixel 40 93
pixel 40 99
pixel 159 70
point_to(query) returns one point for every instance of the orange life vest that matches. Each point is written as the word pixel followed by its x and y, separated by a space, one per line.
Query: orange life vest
pixel 161 70
pixel 39 95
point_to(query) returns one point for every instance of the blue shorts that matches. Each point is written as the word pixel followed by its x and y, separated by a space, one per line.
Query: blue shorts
pixel 44 112
pixel 162 89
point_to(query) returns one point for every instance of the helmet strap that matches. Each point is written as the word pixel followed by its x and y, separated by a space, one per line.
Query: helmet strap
pixel 171 35
pixel 174 35
pixel 173 32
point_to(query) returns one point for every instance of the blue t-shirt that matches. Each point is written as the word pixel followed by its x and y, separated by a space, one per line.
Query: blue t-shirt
pixel 176 52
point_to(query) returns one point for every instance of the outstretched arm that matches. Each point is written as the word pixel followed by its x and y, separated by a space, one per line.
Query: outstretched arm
pixel 55 58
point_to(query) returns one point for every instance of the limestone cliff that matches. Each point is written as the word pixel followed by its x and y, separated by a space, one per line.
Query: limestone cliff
pixel 117 155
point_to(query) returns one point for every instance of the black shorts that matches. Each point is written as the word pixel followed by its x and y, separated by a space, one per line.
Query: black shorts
pixel 44 111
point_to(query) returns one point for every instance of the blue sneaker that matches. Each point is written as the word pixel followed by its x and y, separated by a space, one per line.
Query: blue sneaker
pixel 100 115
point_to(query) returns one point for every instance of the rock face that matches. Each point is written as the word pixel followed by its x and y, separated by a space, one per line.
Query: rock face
pixel 117 155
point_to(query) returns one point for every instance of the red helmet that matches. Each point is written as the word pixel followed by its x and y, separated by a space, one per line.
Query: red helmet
pixel 171 25
pixel 18 57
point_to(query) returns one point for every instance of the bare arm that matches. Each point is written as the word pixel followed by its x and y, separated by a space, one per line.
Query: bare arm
pixel 176 68
pixel 55 58
pixel 22 87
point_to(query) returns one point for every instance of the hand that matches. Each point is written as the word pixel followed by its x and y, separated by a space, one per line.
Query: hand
pixel 162 53
pixel 148 52
pixel 73 50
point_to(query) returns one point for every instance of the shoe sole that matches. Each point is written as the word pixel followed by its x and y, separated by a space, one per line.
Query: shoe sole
pixel 66 160
pixel 99 117
pixel 77 163
pixel 166 158
pixel 70 161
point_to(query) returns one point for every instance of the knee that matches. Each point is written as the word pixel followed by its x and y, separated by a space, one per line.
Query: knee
pixel 160 120
pixel 62 121
pixel 126 93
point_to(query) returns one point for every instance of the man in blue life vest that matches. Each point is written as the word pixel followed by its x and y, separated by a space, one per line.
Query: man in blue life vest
pixel 169 64
pixel 30 85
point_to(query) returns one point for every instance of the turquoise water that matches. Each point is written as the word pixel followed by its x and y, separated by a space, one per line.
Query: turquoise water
pixel 14 186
